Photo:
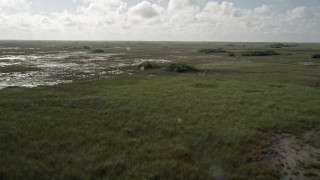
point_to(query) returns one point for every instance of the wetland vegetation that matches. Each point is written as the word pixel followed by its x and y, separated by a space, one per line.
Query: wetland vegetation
pixel 220 117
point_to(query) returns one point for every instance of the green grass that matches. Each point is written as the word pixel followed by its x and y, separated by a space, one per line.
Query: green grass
pixel 208 51
pixel 181 68
pixel 260 53
pixel 16 68
pixel 280 45
pixel 158 124
pixel 98 51
pixel 129 127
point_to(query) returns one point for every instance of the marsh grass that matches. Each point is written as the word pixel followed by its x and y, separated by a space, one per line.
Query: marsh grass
pixel 127 127
pixel 149 65
pixel 260 53
pixel 16 68
pixel 165 126
pixel 98 51
pixel 181 68
pixel 209 51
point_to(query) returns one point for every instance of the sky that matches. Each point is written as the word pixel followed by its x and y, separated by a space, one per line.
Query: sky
pixel 161 20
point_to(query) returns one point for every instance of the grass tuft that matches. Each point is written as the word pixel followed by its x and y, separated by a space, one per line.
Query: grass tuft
pixel 98 51
pixel 209 51
pixel 181 68
pixel 149 65
pixel 260 53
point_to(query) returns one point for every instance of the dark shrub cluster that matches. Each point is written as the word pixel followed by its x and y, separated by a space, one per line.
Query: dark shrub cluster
pixel 181 68
pixel 86 47
pixel 208 51
pixel 149 65
pixel 260 53
pixel 98 51
pixel 231 54
pixel 280 45
pixel 317 55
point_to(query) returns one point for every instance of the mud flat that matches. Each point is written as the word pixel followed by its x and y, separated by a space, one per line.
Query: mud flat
pixel 296 156
pixel 57 67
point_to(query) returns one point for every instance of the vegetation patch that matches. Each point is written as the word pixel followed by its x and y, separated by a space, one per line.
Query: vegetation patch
pixel 86 47
pixel 317 55
pixel 241 119
pixel 231 54
pixel 260 53
pixel 181 68
pixel 280 45
pixel 15 68
pixel 148 65
pixel 209 51
pixel 276 86
pixel 203 85
pixel 252 91
pixel 98 51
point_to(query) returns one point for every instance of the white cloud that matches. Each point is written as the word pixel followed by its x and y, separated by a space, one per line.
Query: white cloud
pixel 296 13
pixel 176 6
pixel 9 5
pixel 262 9
pixel 146 10
pixel 180 20
pixel 122 8
pixel 101 7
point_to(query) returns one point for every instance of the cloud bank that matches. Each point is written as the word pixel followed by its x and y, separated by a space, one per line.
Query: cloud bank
pixel 179 20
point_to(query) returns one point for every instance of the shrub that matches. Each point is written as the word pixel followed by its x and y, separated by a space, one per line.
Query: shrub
pixel 280 45
pixel 317 55
pixel 208 51
pixel 277 45
pixel 260 53
pixel 98 51
pixel 149 65
pixel 231 54
pixel 181 68
pixel 86 47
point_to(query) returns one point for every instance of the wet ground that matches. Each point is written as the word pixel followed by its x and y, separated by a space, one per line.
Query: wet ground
pixel 54 67
pixel 297 156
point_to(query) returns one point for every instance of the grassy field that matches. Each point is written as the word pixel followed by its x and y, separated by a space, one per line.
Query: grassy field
pixel 156 124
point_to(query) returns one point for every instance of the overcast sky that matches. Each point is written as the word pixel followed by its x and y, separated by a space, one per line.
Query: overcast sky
pixel 161 20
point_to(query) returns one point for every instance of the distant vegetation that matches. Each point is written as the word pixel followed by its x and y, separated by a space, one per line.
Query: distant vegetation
pixel 231 54
pixel 149 65
pixel 181 68
pixel 174 67
pixel 14 68
pixel 86 47
pixel 280 45
pixel 317 55
pixel 260 53
pixel 208 51
pixel 98 51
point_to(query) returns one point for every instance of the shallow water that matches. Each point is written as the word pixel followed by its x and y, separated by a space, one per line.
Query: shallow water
pixel 57 67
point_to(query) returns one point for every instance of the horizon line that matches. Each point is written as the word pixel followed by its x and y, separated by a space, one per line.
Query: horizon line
pixel 81 40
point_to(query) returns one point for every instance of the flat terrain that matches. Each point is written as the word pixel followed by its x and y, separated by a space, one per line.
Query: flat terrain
pixel 97 116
